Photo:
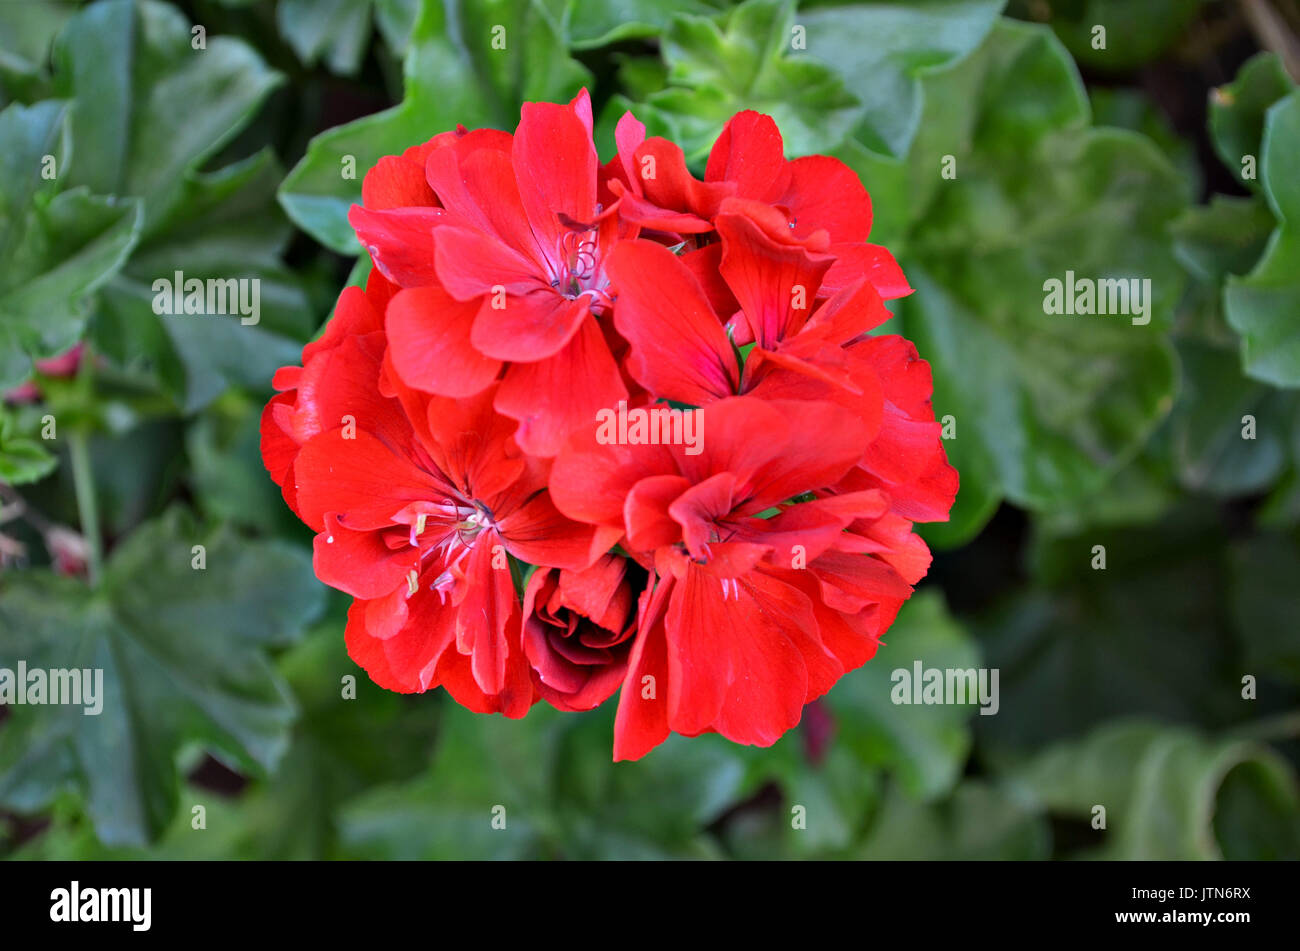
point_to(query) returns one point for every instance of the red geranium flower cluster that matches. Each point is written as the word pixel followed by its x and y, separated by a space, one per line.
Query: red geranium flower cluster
pixel 610 428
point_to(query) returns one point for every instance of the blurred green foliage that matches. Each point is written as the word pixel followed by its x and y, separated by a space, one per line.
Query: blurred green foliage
pixel 1172 447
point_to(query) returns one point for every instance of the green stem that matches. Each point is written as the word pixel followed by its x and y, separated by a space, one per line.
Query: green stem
pixel 87 507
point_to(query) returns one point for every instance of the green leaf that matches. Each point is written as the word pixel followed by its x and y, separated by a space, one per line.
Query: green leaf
pixel 881 50
pixel 27 30
pixel 1207 429
pixel 453 76
pixel 1262 305
pixel 662 801
pixel 135 471
pixel 337 31
pixel 1224 237
pixel 1282 508
pixel 225 226
pixel 1048 407
pixel 746 62
pixel 227 474
pixel 57 248
pixel 979 822
pixel 485 768
pixel 1134 109
pixel 1135 33
pixel 589 25
pixel 1171 793
pixel 1143 635
pixel 22 459
pixel 182 661
pixel 924 744
pixel 1264 605
pixel 1237 113
pixel 148 107
pixel 344 741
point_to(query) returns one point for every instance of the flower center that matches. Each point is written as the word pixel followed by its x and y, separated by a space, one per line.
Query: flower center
pixel 457 524
pixel 577 271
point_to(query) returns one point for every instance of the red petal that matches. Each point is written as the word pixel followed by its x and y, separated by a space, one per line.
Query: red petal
pixel 528 327
pixel 361 479
pixel 641 723
pixel 852 261
pixel 590 479
pixel 400 242
pixel 404 661
pixel 649 526
pixel 473 445
pixel 679 349
pixel 629 133
pixel 359 562
pixel 776 284
pixel 396 182
pixel 483 616
pixel 477 186
pixel 668 183
pixel 354 315
pixel 471 264
pixel 554 397
pixel 825 193
pixel 539 535
pixel 428 333
pixel 750 153
pixel 555 165
pixel 278 449
pixel 740 666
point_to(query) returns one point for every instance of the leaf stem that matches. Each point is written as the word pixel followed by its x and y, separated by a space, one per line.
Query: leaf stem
pixel 87 506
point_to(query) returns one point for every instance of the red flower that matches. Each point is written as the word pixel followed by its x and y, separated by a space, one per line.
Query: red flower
pixel 449 438
pixel 759 604
pixel 680 351
pixel 420 503
pixel 818 198
pixel 517 256
pixel 577 631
